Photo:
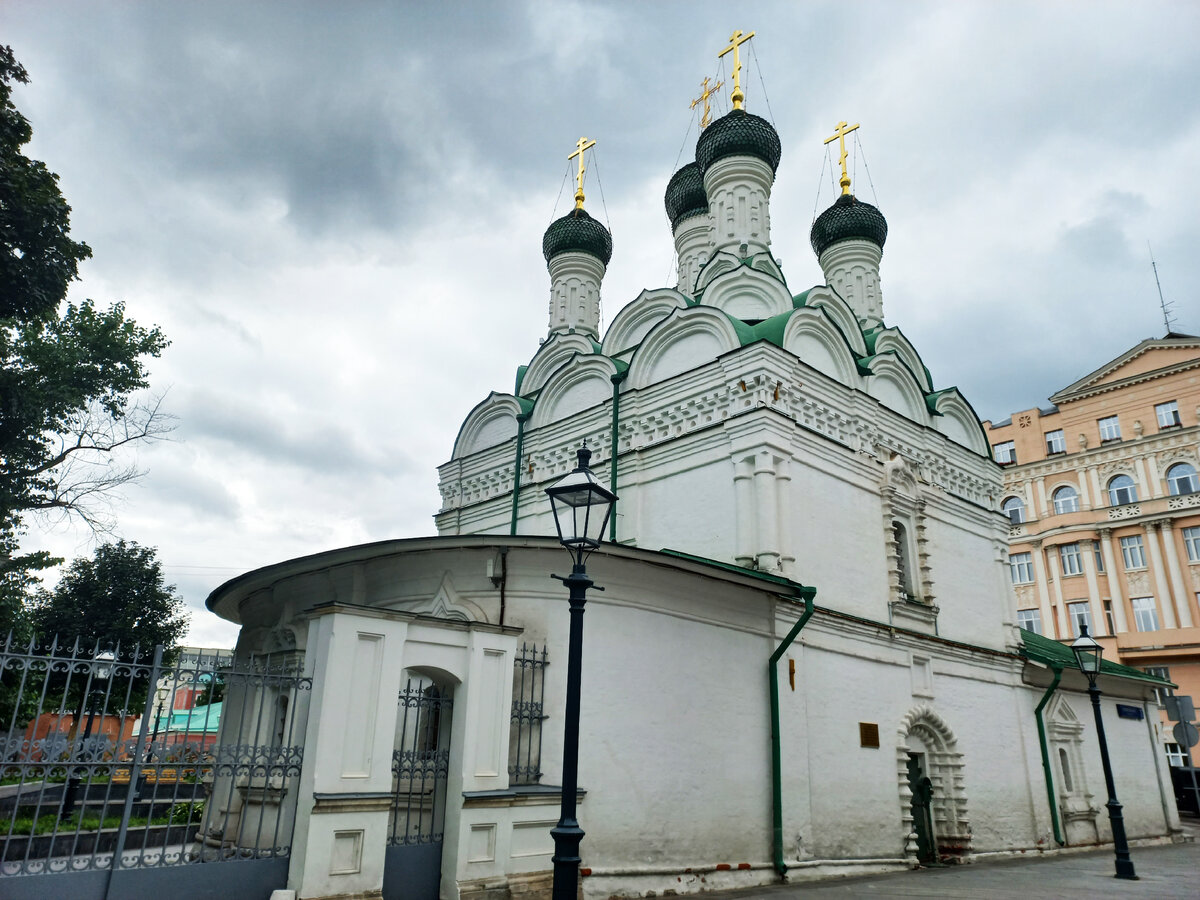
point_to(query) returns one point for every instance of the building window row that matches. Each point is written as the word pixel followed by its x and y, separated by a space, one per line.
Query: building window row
pixel 1168 414
pixel 1020 567
pixel 1056 442
pixel 1072 562
pixel 1110 428
pixel 1133 552
pixel 1122 490
pixel 1145 616
pixel 1005 453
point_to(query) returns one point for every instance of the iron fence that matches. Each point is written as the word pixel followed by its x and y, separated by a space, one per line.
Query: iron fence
pixel 111 759
pixel 421 763
pixel 528 713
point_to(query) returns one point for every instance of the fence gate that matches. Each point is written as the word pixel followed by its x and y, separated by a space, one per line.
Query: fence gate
pixel 420 764
pixel 121 777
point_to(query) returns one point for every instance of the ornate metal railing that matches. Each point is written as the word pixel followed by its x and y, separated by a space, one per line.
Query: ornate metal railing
pixel 528 713
pixel 110 758
pixel 421 763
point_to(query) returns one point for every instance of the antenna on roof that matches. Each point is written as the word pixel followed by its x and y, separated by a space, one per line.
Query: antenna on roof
pixel 1168 319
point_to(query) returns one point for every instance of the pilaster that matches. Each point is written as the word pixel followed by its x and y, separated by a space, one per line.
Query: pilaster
pixel 1162 589
pixel 1099 620
pixel 1182 602
pixel 1114 580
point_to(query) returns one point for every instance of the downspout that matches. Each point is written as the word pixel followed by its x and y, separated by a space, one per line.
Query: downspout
pixel 806 595
pixel 616 378
pixel 1037 714
pixel 521 420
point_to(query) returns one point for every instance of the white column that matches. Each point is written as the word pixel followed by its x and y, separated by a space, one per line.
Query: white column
pixel 1099 620
pixel 743 499
pixel 1064 626
pixel 1162 589
pixel 1040 490
pixel 1146 489
pixel 1098 492
pixel 1114 580
pixel 783 513
pixel 767 545
pixel 1183 606
pixel 1039 574
pixel 1156 478
pixel 1085 491
pixel 338 845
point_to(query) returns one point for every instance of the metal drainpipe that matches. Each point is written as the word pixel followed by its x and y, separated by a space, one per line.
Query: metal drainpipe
pixel 612 481
pixel 521 420
pixel 1037 714
pixel 776 747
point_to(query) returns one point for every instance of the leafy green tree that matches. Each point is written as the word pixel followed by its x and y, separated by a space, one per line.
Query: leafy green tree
pixel 70 375
pixel 116 600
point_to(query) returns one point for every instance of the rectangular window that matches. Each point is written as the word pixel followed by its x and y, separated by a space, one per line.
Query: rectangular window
pixel 1145 616
pixel 1110 428
pixel 1072 562
pixel 1160 694
pixel 1168 414
pixel 1030 620
pixel 1055 442
pixel 1080 615
pixel 1020 566
pixel 1175 754
pixel 1191 542
pixel 1005 453
pixel 1133 553
pixel 1099 557
pixel 1108 617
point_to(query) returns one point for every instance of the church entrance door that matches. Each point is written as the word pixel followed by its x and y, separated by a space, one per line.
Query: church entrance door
pixel 420 764
pixel 922 808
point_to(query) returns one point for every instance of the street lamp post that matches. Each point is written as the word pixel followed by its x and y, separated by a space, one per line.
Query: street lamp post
pixel 100 672
pixel 160 695
pixel 1088 654
pixel 582 507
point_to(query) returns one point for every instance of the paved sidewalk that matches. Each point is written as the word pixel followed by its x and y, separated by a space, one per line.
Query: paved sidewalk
pixel 1163 871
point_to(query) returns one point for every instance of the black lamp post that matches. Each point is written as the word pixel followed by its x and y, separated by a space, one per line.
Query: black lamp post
pixel 160 694
pixel 100 673
pixel 1088 654
pixel 582 507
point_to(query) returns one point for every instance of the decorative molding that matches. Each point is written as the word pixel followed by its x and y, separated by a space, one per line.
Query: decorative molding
pixel 1128 511
pixel 952 830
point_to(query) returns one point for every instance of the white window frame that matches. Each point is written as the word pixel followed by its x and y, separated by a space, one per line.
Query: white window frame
pixel 1110 428
pixel 1175 755
pixel 1005 452
pixel 1020 568
pixel 1133 552
pixel 1030 620
pixel 1099 556
pixel 1182 482
pixel 1145 613
pixel 1168 414
pixel 1123 495
pixel 1163 672
pixel 1070 559
pixel 1056 441
pixel 1191 543
pixel 1079 612
pixel 1064 502
pixel 1019 509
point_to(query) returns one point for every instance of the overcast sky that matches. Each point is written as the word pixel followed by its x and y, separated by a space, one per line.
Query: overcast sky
pixel 335 212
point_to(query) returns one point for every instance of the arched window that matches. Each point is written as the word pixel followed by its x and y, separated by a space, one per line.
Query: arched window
pixel 1122 490
pixel 1181 479
pixel 903 562
pixel 1066 500
pixel 1014 509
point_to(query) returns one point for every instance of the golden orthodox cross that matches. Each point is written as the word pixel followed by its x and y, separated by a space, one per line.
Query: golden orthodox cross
pixel 703 98
pixel 839 135
pixel 581 145
pixel 736 40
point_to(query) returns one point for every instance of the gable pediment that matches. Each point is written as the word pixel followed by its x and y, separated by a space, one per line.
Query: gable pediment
pixel 1148 359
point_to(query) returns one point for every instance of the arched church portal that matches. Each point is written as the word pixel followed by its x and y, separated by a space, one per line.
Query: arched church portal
pixel 925 746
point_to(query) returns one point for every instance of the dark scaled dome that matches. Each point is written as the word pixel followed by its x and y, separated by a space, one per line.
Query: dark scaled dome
pixel 738 134
pixel 580 232
pixel 847 219
pixel 685 194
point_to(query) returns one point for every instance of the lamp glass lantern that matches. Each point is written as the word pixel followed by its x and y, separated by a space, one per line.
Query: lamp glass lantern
pixel 582 507
pixel 1088 654
pixel 103 665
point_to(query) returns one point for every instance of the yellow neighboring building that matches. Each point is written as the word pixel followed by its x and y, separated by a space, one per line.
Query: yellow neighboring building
pixel 1104 501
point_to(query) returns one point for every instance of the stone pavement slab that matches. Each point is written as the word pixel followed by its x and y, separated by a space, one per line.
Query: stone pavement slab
pixel 1167 871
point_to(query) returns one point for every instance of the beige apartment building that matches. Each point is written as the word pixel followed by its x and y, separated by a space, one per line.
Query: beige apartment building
pixel 1104 501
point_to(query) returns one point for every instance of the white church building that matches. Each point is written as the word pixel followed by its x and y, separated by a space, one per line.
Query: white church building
pixel 806 561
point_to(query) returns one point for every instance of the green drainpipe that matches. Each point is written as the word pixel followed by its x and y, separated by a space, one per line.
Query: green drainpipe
pixel 612 480
pixel 521 420
pixel 1037 714
pixel 776 750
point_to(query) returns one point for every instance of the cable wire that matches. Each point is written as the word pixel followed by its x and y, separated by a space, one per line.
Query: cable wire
pixel 566 175
pixel 763 84
pixel 867 169
pixel 820 178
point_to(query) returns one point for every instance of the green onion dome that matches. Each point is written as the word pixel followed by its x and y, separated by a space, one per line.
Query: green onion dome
pixel 579 232
pixel 738 134
pixel 685 195
pixel 848 218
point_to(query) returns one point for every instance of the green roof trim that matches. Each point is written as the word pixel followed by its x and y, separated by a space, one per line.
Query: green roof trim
pixel 772 329
pixel 801 299
pixel 1058 655
pixel 521 370
pixel 778 580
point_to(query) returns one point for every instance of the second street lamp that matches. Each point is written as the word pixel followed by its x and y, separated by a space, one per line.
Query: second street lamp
pixel 1088 654
pixel 582 507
